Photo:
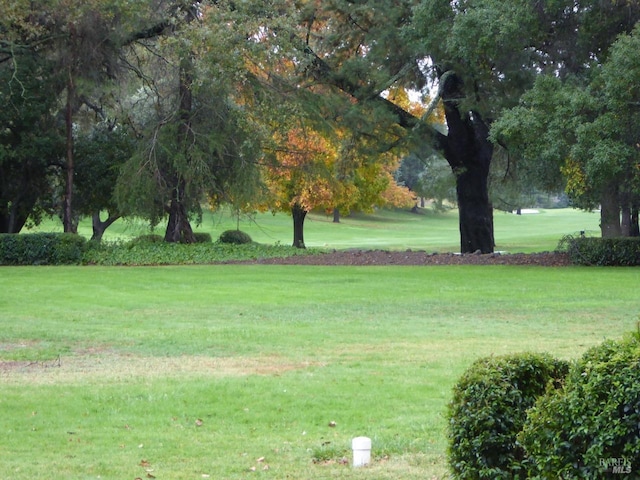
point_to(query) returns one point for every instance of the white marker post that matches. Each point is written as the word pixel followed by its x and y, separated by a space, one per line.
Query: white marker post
pixel 361 451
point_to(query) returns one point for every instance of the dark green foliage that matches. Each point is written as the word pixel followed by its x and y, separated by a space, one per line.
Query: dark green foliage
pixel 31 144
pixel 143 239
pixel 620 251
pixel 41 249
pixel 165 253
pixel 202 237
pixel 236 237
pixel 488 410
pixel 589 426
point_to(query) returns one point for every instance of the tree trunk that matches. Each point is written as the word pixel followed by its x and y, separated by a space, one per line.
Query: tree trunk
pixel 610 213
pixel 336 215
pixel 99 226
pixel 178 227
pixel 16 215
pixel 468 151
pixel 634 229
pixel 298 213
pixel 625 220
pixel 67 213
pixel 475 213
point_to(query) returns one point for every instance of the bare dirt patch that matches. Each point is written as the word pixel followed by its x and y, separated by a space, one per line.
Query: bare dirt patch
pixel 411 257
pixel 115 367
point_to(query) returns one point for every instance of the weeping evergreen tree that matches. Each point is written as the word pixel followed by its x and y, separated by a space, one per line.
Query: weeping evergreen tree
pixel 198 139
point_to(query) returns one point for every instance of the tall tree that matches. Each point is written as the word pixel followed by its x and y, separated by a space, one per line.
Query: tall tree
pixel 199 136
pixel 482 54
pixel 577 125
pixel 79 43
pixel 30 141
pixel 366 48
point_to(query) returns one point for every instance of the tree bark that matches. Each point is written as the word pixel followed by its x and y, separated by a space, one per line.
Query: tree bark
pixel 67 213
pixel 298 213
pixel 178 227
pixel 336 215
pixel 634 229
pixel 610 213
pixel 99 226
pixel 625 220
pixel 15 216
pixel 475 212
pixel 468 151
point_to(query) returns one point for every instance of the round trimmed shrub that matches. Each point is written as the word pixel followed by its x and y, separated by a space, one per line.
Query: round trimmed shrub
pixel 202 237
pixel 489 408
pixel 590 429
pixel 144 239
pixel 236 237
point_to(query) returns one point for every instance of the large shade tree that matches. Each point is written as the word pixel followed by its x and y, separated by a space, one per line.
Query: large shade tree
pixel 577 126
pixel 482 55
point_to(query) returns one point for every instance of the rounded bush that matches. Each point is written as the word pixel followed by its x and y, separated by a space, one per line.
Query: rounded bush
pixel 236 237
pixel 202 237
pixel 149 238
pixel 488 410
pixel 590 429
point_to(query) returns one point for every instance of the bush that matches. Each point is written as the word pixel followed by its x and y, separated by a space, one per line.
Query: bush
pixel 621 251
pixel 236 237
pixel 41 249
pixel 488 410
pixel 146 239
pixel 202 237
pixel 589 428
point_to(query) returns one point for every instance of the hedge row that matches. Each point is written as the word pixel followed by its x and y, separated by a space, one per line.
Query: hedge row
pixel 530 416
pixel 41 249
pixel 620 251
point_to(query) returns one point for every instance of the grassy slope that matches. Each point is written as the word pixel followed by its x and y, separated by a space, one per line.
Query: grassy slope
pixel 194 371
pixel 385 229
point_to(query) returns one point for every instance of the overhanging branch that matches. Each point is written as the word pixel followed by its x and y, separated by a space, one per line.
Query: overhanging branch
pixel 321 71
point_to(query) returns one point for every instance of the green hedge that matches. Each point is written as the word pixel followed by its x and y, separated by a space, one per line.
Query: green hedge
pixel 236 237
pixel 620 251
pixel 590 429
pixel 202 237
pixel 488 411
pixel 41 249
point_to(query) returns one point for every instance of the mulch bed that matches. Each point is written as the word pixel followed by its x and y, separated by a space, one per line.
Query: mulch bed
pixel 411 257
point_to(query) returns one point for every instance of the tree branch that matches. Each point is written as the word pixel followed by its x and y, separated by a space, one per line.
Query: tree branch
pixel 321 71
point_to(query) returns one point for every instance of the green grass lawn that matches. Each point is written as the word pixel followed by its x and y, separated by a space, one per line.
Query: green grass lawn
pixel 234 372
pixel 385 229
